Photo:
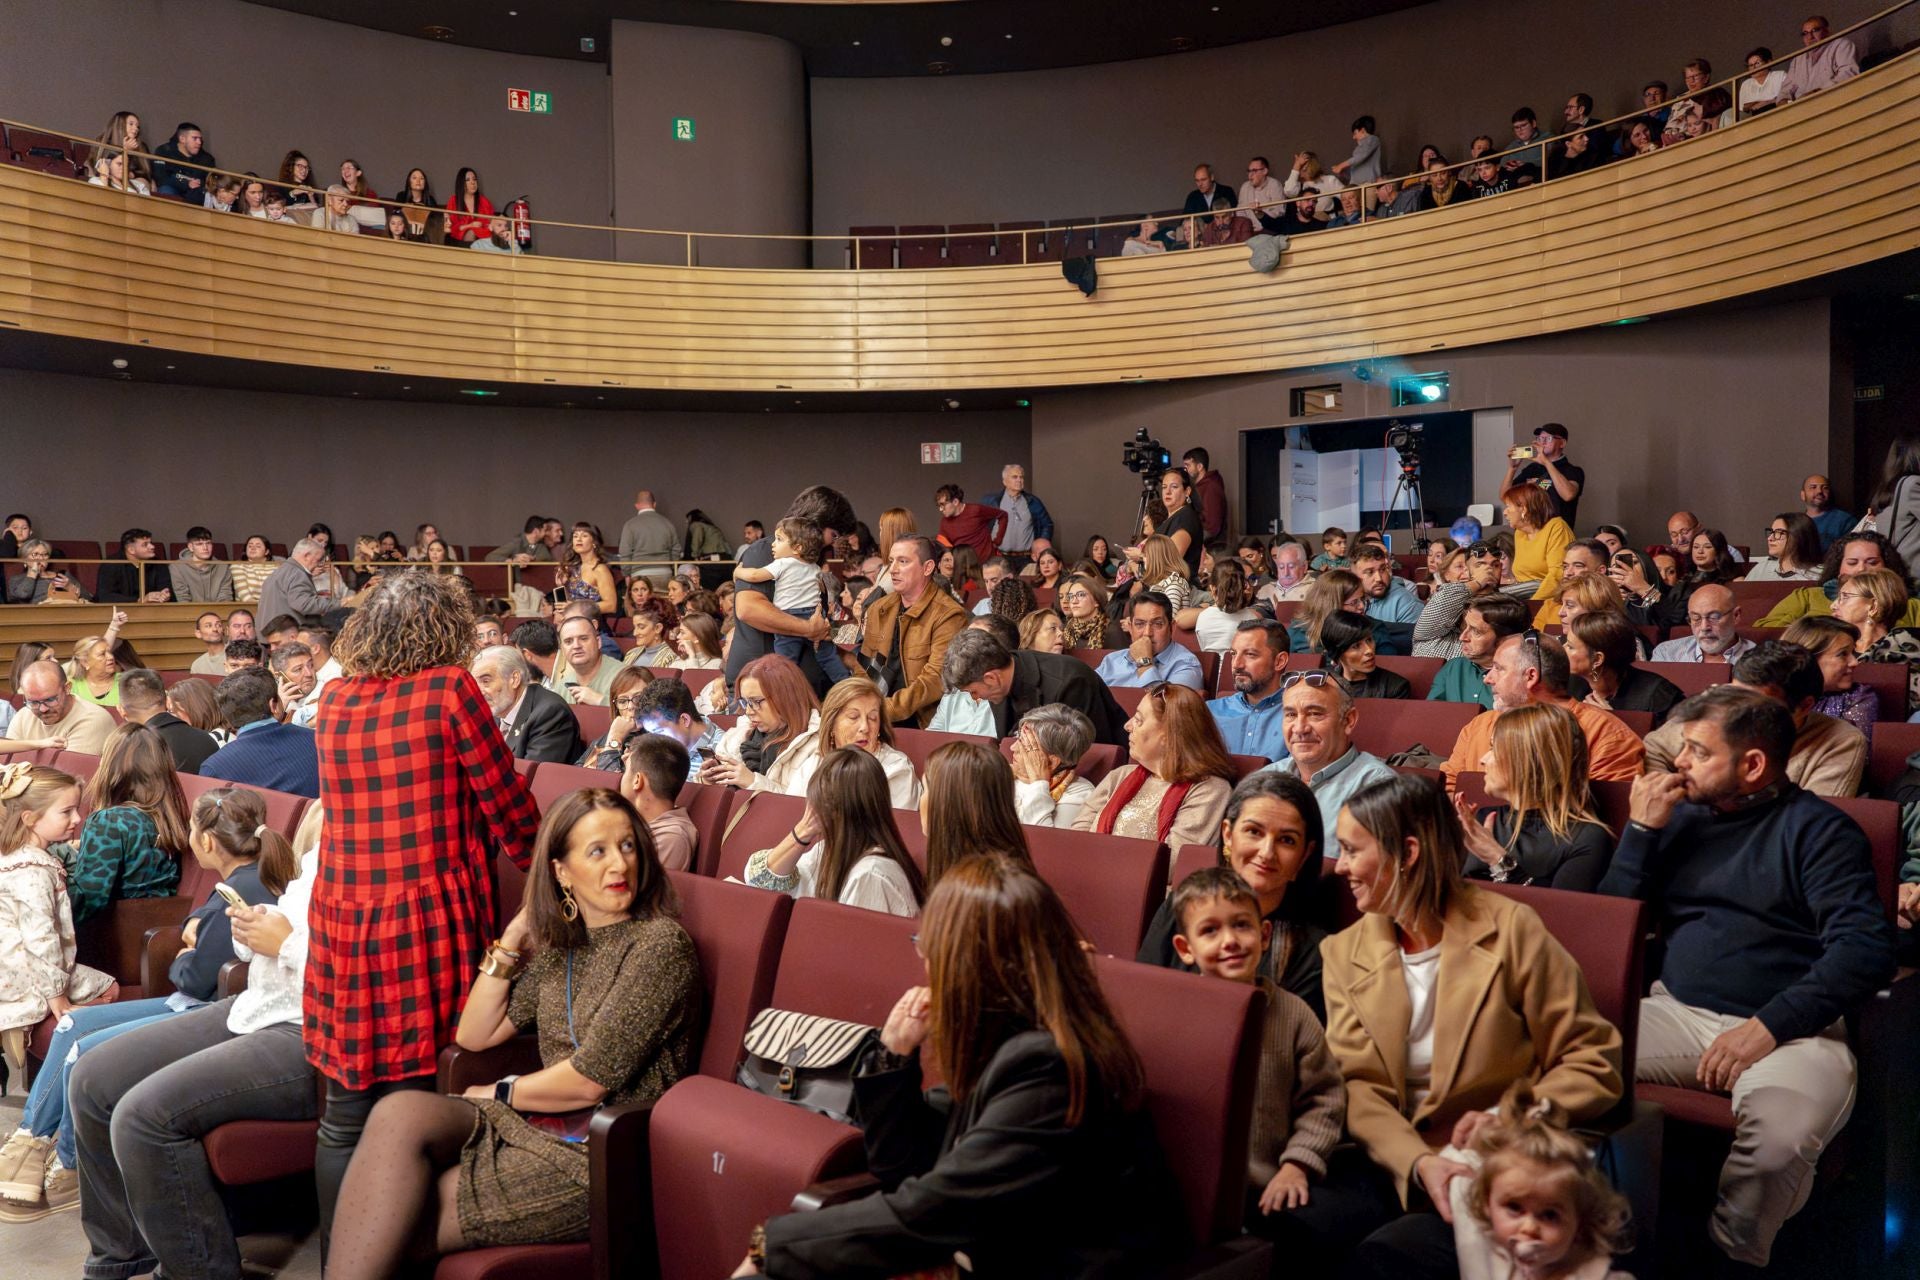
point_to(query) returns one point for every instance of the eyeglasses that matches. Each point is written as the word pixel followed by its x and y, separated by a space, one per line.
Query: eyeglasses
pixel 627 702
pixel 1074 597
pixel 752 704
pixel 42 702
pixel 1776 533
pixel 1843 595
pixel 1712 619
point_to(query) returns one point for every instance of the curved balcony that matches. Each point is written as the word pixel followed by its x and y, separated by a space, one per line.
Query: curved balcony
pixel 1739 211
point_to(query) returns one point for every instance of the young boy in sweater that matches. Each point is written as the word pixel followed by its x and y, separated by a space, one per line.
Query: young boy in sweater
pixel 656 769
pixel 1300 1103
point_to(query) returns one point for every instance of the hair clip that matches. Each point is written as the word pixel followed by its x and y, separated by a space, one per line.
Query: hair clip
pixel 15 779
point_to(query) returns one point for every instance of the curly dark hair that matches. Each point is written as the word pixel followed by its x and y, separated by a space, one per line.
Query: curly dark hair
pixel 1890 556
pixel 411 621
pixel 1012 599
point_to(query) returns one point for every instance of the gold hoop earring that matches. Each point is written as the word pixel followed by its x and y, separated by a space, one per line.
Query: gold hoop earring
pixel 569 909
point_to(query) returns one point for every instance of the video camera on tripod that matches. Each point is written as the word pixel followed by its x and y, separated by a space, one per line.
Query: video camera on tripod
pixel 1145 456
pixel 1405 440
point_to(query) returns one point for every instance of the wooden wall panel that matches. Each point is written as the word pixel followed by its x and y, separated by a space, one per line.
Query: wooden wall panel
pixel 1739 211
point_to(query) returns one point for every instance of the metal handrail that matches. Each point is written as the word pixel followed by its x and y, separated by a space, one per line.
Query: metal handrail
pixel 1539 144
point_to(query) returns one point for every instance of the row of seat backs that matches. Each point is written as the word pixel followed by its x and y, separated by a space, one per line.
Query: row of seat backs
pixel 980 244
pixel 1198 1039
pixel 1111 884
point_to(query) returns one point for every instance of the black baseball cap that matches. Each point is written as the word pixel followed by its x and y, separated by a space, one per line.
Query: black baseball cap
pixel 1552 429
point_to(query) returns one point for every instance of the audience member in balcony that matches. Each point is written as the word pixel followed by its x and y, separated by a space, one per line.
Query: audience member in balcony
pixel 1365 164
pixel 50 716
pixel 336 214
pixel 1446 186
pixel 468 209
pixel 1304 215
pixel 1152 657
pixel 223 192
pixel 110 171
pixel 1793 551
pixel 1348 654
pixel 425 221
pixel 1488 618
pixel 289 587
pixel 397 226
pixel 276 209
pixel 1529 669
pixel 535 721
pixel 1687 117
pixel 1875 602
pixel 1523 166
pixel 354 179
pixel 295 181
pixel 123 583
pixel 13 538
pixel 1833 644
pixel 197 577
pixel 264 752
pixel 1076 1109
pixel 1820 68
pixel 1577 117
pixel 1829 756
pixel 654 769
pixel 1653 103
pixel 1206 192
pixel 1643 137
pixel 846 847
pixel 1520 1010
pixel 1307 177
pixel 38 582
pixel 1146 239
pixel 123 134
pixel 1223 227
pixel 530 546
pixel 1737 860
pixel 1349 214
pixel 230 1061
pixel 1577 153
pixel 1601 648
pixel 181 163
pixel 599 915
pixel 1543 831
pixel 91 670
pixel 1491 179
pixel 1261 197
pixel 499 238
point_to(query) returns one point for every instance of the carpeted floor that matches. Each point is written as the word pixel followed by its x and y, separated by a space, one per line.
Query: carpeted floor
pixel 54 1247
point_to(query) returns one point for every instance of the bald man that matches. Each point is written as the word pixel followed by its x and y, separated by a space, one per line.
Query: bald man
pixel 52 717
pixel 1714 620
pixel 1828 519
pixel 648 535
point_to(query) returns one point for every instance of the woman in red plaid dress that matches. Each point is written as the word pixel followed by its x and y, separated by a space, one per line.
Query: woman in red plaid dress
pixel 420 794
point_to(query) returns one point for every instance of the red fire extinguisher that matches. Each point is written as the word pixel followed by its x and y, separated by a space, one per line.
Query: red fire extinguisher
pixel 522 215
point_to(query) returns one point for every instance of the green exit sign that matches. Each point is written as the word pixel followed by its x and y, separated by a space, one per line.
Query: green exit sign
pixel 537 101
pixel 683 129
pixel 542 103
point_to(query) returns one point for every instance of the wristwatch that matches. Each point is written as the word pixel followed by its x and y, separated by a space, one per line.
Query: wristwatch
pixel 503 1089
pixel 1502 869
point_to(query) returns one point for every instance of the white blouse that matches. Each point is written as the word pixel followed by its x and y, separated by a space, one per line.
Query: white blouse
pixel 1037 808
pixel 274 983
pixel 876 882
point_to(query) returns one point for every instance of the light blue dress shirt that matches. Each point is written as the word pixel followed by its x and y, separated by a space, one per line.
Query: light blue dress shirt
pixel 1174 664
pixel 1250 728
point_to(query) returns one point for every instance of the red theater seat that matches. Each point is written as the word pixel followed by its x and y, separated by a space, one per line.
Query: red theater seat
pixel 80 764
pixel 1418 671
pixel 709 808
pixel 594 721
pixel 1892 743
pixel 1111 885
pixel 1025 242
pixel 758 820
pixel 922 253
pixel 553 782
pixel 1389 725
pixel 873 247
pixel 970 244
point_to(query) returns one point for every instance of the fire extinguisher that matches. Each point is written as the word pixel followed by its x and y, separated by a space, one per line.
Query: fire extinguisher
pixel 522 215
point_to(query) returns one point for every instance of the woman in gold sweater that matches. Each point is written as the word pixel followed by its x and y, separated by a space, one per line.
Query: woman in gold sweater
pixel 1540 539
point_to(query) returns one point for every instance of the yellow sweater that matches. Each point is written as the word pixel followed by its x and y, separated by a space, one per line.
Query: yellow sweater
pixel 1537 556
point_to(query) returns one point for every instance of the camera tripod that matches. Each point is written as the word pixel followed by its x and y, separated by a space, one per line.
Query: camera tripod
pixel 1407 493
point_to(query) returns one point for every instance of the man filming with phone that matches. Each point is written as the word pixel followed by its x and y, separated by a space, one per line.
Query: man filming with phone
pixel 1544 463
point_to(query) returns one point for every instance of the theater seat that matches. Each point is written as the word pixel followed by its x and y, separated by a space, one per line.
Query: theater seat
pixel 1246 766
pixel 244 1152
pixel 1891 744
pixel 708 807
pixel 1111 885
pixel 81 764
pixel 554 782
pixel 1419 672
pixel 917 253
pixel 970 244
pixel 873 248
pixel 1025 242
pixel 758 820
pixel 1389 725
pixel 918 744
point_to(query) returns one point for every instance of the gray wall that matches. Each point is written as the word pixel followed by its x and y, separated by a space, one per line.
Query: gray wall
pixel 260 82
pixel 171 457
pixel 745 170
pixel 1122 139
pixel 1722 413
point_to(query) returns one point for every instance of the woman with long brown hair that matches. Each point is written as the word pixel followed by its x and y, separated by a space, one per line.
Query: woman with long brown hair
pixel 846 847
pixel 421 797
pixel 1544 831
pixel 193 702
pixel 1332 591
pixel 778 706
pixel 1177 785
pixel 598 967
pixel 1083 607
pixel 584 575
pixel 1467 969
pixel 968 807
pixel 1031 1054
pixel 136 831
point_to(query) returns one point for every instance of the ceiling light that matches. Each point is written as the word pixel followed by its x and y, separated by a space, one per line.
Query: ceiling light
pixel 856 44
pixel 119 362
pixel 946 41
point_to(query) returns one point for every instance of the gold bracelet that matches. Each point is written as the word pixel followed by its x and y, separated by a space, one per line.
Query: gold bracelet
pixel 494 966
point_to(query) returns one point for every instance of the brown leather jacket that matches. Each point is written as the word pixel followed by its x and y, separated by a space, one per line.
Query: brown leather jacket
pixel 929 625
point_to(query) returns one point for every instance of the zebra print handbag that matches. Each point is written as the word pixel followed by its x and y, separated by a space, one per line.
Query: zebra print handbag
pixel 806 1060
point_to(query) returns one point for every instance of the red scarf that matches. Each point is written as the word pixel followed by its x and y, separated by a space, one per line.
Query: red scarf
pixel 1129 788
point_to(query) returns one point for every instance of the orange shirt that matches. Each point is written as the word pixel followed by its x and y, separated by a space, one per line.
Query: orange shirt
pixel 1614 752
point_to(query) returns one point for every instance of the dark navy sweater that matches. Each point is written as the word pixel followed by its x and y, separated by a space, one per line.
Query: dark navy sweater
pixel 1768 911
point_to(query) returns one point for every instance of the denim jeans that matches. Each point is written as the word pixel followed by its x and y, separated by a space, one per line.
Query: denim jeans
pixel 46 1110
pixel 826 653
pixel 141 1105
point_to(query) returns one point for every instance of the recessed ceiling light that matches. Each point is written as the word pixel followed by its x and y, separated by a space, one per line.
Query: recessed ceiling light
pixel 856 44
pixel 1009 35
pixel 946 41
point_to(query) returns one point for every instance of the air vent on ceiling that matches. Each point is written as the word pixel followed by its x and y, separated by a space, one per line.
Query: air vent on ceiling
pixel 437 32
pixel 939 68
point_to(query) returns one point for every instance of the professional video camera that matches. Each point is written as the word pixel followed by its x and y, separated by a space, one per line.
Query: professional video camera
pixel 1145 456
pixel 1405 440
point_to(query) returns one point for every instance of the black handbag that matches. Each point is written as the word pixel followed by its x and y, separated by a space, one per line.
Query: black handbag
pixel 806 1060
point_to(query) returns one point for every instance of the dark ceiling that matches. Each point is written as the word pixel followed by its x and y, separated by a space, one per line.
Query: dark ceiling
pixel 861 39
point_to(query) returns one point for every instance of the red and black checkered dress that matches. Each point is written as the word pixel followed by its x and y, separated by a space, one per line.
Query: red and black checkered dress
pixel 420 794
